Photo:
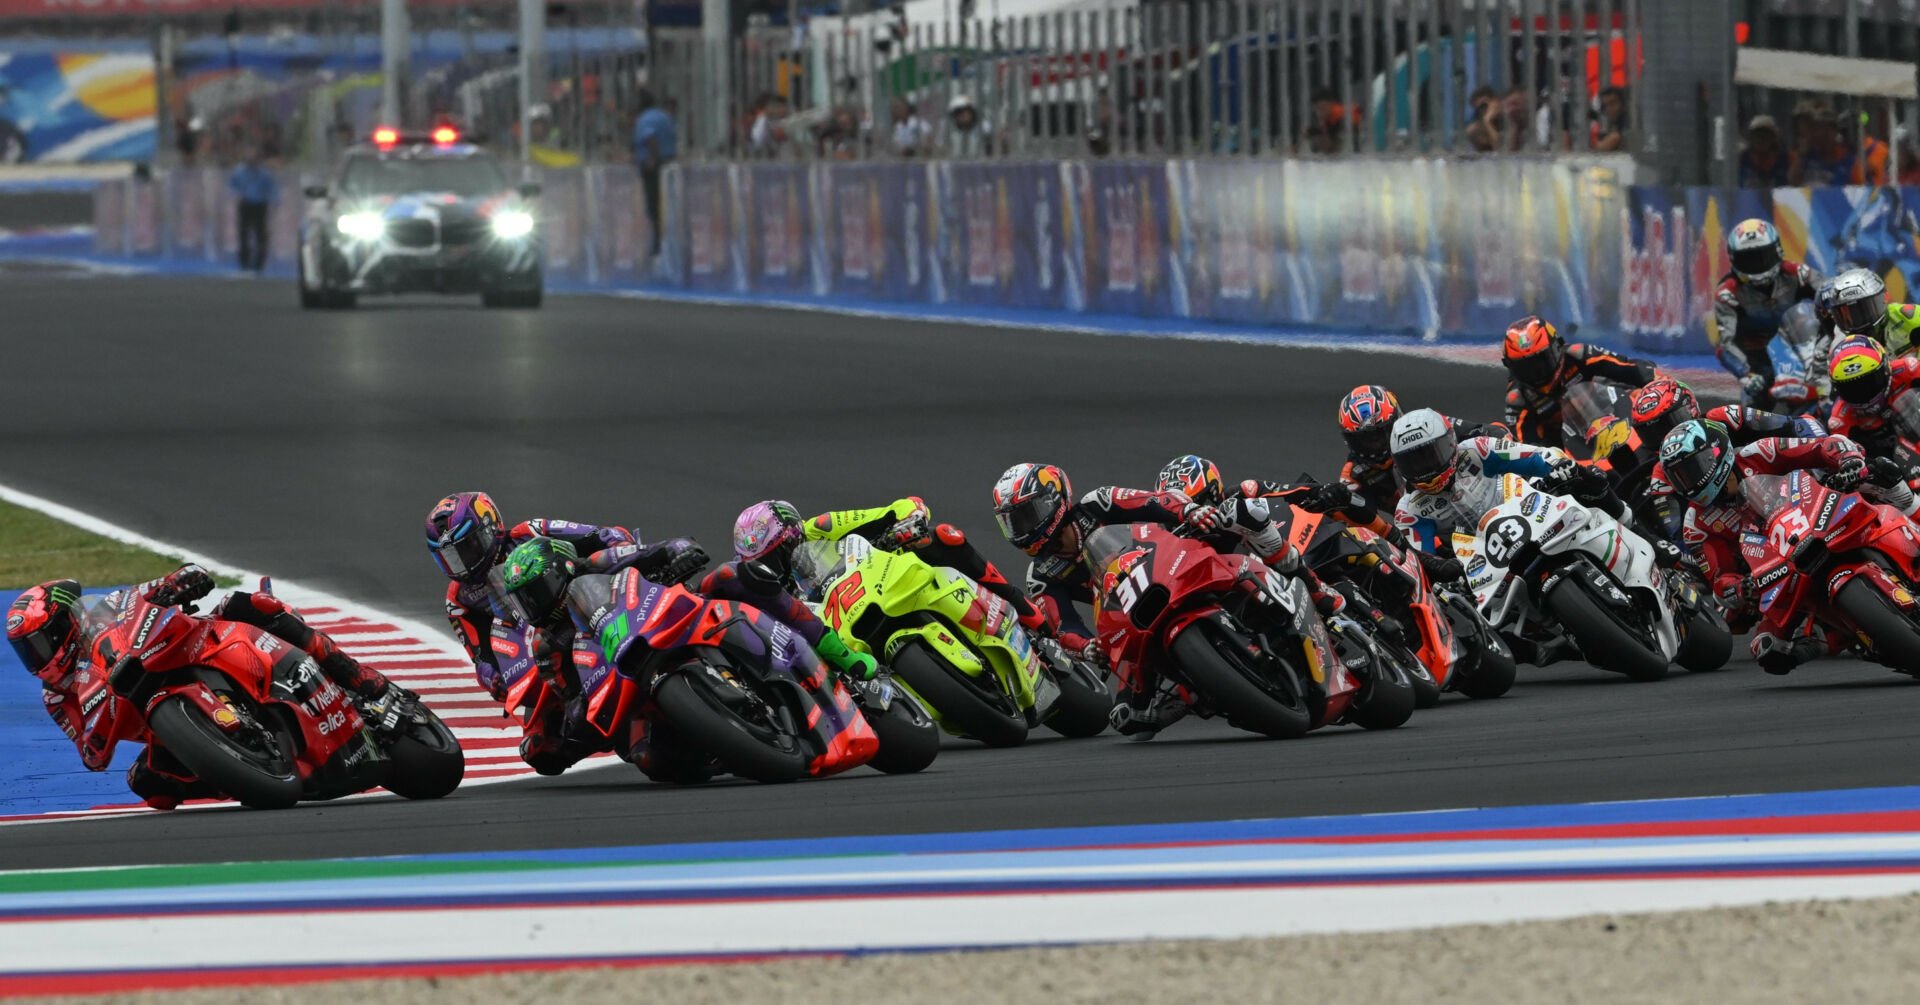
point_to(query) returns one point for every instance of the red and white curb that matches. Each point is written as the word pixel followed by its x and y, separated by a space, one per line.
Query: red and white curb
pixel 421 658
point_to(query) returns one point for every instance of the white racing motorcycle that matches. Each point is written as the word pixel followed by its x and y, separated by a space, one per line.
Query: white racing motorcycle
pixel 1543 564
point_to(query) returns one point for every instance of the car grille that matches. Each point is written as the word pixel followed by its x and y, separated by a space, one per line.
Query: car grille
pixel 413 233
pixel 470 231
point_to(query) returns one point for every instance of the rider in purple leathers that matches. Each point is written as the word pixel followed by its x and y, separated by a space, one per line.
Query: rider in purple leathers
pixel 468 539
pixel 761 575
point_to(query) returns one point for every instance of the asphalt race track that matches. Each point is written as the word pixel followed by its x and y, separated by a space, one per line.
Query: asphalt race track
pixel 216 415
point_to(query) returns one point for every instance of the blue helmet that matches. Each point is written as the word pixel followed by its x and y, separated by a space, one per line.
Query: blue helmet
pixel 1698 459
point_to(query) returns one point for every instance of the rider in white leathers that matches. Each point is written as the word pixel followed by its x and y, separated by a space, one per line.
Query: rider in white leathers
pixel 1451 484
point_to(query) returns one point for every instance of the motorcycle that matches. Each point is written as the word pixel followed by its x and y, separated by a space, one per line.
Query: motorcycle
pixel 1542 565
pixel 1800 382
pixel 956 648
pixel 1596 425
pixel 245 712
pixel 1456 649
pixel 1851 563
pixel 729 681
pixel 1238 637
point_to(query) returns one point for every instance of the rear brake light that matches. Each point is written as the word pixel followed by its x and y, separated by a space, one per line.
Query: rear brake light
pixel 385 136
pixel 445 135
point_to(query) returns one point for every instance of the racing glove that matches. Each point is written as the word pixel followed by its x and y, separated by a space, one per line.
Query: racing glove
pixel 1753 387
pixel 844 660
pixel 1327 498
pixel 181 586
pixel 1441 569
pixel 1205 519
pixel 1848 474
pixel 1735 593
pixel 686 559
pixel 908 535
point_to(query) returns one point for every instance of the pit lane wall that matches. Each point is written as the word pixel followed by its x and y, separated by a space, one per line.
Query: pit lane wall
pixel 1448 247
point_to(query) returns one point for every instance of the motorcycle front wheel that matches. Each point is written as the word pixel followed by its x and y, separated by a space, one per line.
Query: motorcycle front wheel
pixel 1260 696
pixel 1894 637
pixel 750 746
pixel 427 762
pixel 1084 704
pixel 958 702
pixel 909 739
pixel 260 775
pixel 1607 643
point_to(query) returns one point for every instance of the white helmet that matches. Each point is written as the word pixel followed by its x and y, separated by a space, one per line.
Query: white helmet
pixel 1754 251
pixel 1423 450
pixel 1858 302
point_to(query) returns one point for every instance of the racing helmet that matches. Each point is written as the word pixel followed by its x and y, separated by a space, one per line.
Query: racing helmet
pixel 1195 477
pixel 766 532
pixel 1858 368
pixel 1698 459
pixel 466 535
pixel 43 626
pixel 1367 415
pixel 1031 503
pixel 1533 353
pixel 1424 449
pixel 535 577
pixel 1660 406
pixel 1753 248
pixel 1859 302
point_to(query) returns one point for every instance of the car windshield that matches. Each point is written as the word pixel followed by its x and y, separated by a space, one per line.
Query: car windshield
pixel 383 176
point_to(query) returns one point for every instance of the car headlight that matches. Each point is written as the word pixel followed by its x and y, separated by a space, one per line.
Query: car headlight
pixel 363 226
pixel 512 224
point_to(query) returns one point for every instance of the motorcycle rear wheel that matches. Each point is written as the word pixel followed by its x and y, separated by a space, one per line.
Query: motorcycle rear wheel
pixel 1604 641
pixel 1895 639
pixel 962 710
pixel 254 778
pixel 1232 684
pixel 1490 671
pixel 427 761
pixel 746 748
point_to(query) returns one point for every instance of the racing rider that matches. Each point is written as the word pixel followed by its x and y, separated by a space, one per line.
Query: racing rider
pixel 1665 404
pixel 1367 415
pixel 1750 302
pixel 51 635
pixel 1705 469
pixel 1858 306
pixel 1866 381
pixel 1199 479
pixel 468 539
pixel 1540 369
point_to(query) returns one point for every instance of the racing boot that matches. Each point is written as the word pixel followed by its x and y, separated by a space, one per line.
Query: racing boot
pixel 1779 656
pixel 1165 709
pixel 163 791
pixel 265 611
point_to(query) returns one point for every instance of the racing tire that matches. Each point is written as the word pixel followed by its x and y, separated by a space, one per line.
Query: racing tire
pixel 1425 690
pixel 1597 632
pixel 1491 677
pixel 1083 708
pixel 1895 638
pixel 743 747
pixel 909 738
pixel 1232 684
pixel 1386 701
pixel 958 704
pixel 427 762
pixel 255 779
pixel 1708 645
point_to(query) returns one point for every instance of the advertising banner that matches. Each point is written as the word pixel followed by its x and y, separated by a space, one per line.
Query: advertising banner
pixel 707 214
pixel 1003 235
pixel 779 253
pixel 1124 219
pixel 562 222
pixel 874 227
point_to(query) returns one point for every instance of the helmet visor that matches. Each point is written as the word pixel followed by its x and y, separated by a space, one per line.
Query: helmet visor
pixel 1026 523
pixel 1861 316
pixel 1371 441
pixel 38 649
pixel 1864 389
pixel 1425 465
pixel 1538 369
pixel 1693 475
pixel 538 599
pixel 464 550
pixel 1756 263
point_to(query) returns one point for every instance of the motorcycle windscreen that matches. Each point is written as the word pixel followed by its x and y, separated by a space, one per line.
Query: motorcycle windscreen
pixel 1106 544
pixel 1766 495
pixel 815 565
pixel 1906 412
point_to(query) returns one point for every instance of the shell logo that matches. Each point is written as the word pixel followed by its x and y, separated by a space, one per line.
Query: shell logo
pixel 115 87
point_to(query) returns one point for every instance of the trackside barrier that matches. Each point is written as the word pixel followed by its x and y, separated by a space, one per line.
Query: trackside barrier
pixel 1454 247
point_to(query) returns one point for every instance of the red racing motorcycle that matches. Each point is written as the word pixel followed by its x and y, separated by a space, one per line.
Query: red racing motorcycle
pixel 241 710
pixel 1240 639
pixel 1851 563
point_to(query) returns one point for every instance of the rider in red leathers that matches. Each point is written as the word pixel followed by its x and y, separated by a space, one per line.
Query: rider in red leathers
pixel 51 635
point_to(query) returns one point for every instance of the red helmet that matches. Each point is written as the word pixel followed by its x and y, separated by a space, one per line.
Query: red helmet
pixel 1031 502
pixel 44 628
pixel 1195 477
pixel 1533 353
pixel 1367 414
pixel 1662 405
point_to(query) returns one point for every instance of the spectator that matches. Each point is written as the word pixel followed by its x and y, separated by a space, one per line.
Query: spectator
pixel 1870 165
pixel 1610 132
pixel 911 134
pixel 1327 122
pixel 768 135
pixel 968 134
pixel 1764 163
pixel 1827 159
pixel 255 188
pixel 1100 133
pixel 1486 122
pixel 1804 112
pixel 656 142
pixel 186 137
pixel 1513 107
pixel 843 137
pixel 1909 157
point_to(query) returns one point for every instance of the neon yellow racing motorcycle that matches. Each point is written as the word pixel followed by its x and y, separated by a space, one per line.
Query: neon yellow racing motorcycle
pixel 957 648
